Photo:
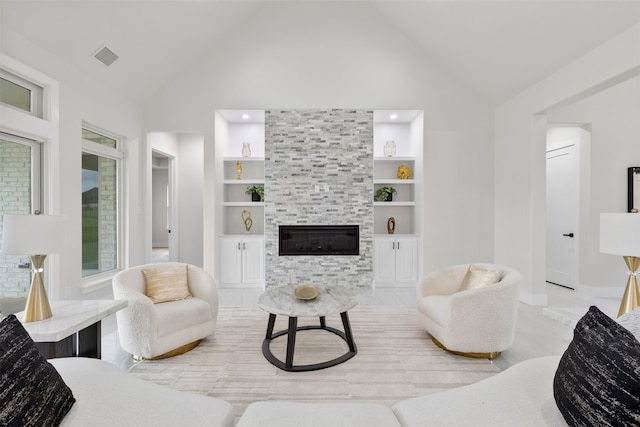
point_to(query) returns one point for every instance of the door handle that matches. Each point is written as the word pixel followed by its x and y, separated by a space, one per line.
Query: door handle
pixel 568 235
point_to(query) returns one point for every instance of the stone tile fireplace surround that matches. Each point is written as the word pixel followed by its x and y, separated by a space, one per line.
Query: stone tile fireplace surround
pixel 331 150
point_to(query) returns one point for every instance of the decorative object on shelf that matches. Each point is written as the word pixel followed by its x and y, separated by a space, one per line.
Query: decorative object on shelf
pixel 256 192
pixel 619 236
pixel 390 148
pixel 246 149
pixel 37 236
pixel 306 292
pixel 246 219
pixel 239 169
pixel 384 194
pixel 633 189
pixel 391 225
pixel 404 172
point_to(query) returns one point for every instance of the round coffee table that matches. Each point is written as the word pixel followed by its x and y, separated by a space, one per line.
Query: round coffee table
pixel 330 300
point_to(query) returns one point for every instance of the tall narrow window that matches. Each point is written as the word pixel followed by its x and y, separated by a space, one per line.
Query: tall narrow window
pixel 100 219
pixel 19 194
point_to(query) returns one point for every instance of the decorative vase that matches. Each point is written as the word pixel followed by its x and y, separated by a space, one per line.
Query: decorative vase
pixel 246 149
pixel 389 197
pixel 239 169
pixel 390 149
pixel 255 197
pixel 391 225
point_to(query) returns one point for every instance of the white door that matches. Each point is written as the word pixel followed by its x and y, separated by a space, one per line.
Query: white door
pixel 563 179
pixel 252 261
pixel 406 260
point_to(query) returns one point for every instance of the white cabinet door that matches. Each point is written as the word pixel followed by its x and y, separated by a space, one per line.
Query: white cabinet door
pixel 384 263
pixel 406 260
pixel 253 261
pixel 230 260
pixel 395 260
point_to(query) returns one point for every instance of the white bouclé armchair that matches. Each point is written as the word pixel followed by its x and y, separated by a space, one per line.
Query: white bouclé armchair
pixel 147 330
pixel 476 322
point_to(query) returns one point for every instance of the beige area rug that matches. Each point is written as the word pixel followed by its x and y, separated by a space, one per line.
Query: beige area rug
pixel 396 360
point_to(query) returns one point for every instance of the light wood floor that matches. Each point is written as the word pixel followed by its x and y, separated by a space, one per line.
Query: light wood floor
pixel 540 331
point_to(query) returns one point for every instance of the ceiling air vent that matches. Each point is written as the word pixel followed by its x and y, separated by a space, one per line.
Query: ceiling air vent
pixel 105 55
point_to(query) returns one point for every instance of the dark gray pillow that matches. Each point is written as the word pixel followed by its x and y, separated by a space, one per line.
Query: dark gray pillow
pixel 597 382
pixel 32 392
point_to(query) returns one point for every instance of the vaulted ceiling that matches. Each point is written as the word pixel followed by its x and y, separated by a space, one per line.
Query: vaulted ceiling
pixel 496 48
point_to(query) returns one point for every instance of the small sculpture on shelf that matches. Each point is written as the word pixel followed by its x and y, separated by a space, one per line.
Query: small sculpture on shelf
pixel 391 225
pixel 246 219
pixel 239 169
pixel 404 172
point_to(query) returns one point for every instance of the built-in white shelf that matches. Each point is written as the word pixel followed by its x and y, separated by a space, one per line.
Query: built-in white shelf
pixel 393 204
pixel 244 204
pixel 243 181
pixel 244 159
pixel 394 159
pixel 394 181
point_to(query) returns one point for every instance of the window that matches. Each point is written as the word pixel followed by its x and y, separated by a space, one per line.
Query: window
pixel 19 93
pixel 100 207
pixel 19 194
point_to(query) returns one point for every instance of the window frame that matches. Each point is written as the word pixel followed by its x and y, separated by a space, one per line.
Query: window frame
pixel 36 92
pixel 36 166
pixel 44 128
pixel 95 281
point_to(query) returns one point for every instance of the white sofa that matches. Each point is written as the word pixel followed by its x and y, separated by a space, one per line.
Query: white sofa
pixel 148 330
pixel 479 322
pixel 107 396
pixel 519 396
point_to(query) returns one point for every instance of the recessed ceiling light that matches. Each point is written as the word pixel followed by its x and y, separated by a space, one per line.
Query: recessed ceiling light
pixel 393 116
pixel 245 116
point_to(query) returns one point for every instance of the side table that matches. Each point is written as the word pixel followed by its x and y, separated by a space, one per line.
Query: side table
pixel 74 329
pixel 331 300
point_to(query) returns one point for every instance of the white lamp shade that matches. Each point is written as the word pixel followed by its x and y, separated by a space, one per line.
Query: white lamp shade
pixel 33 234
pixel 620 234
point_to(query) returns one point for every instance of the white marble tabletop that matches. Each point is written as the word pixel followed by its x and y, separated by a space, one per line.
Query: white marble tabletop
pixel 70 317
pixel 330 300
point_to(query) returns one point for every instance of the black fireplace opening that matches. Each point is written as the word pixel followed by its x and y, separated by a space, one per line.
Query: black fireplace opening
pixel 319 240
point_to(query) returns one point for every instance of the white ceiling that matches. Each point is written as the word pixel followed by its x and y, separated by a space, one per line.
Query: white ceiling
pixel 496 48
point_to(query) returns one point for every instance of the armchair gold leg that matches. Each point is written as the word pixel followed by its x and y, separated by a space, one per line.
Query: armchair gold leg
pixel 175 352
pixel 491 355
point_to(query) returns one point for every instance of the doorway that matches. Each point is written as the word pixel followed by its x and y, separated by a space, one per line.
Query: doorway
pixel 567 155
pixel 163 234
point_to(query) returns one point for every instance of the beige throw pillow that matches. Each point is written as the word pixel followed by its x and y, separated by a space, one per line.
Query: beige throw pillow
pixel 166 283
pixel 478 277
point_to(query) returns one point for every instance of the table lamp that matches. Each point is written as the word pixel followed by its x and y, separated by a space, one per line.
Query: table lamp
pixel 620 235
pixel 35 236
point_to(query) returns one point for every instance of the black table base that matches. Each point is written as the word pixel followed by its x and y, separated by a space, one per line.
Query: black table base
pixel 84 343
pixel 291 343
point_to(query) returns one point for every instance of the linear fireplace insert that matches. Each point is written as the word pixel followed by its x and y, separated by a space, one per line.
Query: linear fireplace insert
pixel 319 240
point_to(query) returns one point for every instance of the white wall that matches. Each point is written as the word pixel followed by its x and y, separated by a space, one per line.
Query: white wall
pixel 190 197
pixel 309 55
pixel 520 133
pixel 84 100
pixel 614 119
